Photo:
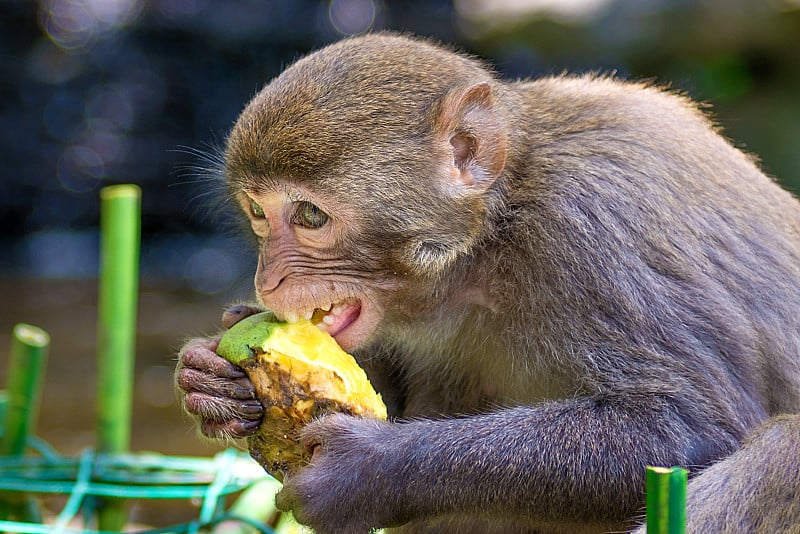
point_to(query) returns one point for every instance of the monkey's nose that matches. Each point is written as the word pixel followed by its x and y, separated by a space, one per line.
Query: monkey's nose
pixel 268 281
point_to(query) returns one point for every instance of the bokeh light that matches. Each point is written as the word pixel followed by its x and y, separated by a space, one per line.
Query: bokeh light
pixel 62 254
pixel 80 169
pixel 352 17
pixel 75 24
pixel 110 91
pixel 507 12
pixel 51 64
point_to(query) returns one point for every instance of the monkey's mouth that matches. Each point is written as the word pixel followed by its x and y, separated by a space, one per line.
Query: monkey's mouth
pixel 335 318
pixel 349 322
pixel 332 318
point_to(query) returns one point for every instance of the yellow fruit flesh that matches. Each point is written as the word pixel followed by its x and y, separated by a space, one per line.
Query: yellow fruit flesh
pixel 299 372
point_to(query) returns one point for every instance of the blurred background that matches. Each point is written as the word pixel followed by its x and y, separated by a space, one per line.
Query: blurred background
pixel 96 92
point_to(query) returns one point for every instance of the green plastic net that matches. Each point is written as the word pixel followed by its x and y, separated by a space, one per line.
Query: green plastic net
pixel 89 479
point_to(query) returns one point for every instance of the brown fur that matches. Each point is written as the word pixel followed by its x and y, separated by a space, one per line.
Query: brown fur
pixel 579 276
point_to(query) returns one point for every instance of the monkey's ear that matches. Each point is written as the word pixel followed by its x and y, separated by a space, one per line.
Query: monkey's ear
pixel 473 136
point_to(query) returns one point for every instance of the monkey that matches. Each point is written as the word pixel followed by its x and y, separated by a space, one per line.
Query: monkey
pixel 552 282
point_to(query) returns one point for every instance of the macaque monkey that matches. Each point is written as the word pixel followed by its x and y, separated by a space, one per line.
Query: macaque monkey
pixel 553 283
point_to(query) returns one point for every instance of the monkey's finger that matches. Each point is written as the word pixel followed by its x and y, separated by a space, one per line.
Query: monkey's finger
pixel 207 343
pixel 317 434
pixel 201 356
pixel 194 381
pixel 229 429
pixel 236 313
pixel 221 410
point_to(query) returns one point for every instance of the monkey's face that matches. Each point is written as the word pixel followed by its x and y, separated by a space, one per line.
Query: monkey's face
pixel 306 266
pixel 367 196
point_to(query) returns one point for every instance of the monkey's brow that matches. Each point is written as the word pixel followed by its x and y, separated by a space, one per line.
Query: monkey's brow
pixel 260 186
pixel 294 195
pixel 270 186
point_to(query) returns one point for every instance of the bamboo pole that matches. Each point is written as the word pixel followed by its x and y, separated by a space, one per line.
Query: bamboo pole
pixel 666 500
pixel 120 227
pixel 26 366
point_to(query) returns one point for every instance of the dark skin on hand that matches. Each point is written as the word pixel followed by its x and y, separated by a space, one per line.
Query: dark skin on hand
pixel 552 283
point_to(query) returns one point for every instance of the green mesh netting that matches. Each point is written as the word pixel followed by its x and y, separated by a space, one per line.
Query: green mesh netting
pixel 89 478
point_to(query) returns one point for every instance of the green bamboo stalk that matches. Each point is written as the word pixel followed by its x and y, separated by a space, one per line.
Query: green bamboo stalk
pixel 666 500
pixel 120 227
pixel 26 366
pixel 29 348
pixel 3 405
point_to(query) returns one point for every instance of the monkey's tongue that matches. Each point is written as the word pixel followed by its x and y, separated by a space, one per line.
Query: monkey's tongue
pixel 339 318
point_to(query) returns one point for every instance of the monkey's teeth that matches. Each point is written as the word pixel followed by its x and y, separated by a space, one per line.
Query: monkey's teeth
pixel 308 314
pixel 326 315
pixel 291 317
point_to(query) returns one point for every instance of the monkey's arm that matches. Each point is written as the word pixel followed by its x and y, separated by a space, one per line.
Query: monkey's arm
pixel 582 458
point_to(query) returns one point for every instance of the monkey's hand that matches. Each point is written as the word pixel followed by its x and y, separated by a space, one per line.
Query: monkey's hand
pixel 342 490
pixel 217 393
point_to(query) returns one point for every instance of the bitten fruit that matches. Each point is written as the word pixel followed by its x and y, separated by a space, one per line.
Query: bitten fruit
pixel 299 372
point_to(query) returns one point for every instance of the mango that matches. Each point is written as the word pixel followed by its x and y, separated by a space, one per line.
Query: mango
pixel 299 373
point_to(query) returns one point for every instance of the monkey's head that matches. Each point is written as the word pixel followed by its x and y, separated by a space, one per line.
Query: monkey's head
pixel 367 170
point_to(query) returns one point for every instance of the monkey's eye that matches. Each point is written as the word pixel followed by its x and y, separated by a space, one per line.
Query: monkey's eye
pixel 308 215
pixel 255 210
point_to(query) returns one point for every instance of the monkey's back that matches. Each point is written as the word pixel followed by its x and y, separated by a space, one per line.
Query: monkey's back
pixel 677 244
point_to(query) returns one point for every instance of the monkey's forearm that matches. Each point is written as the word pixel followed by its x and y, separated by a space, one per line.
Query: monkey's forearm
pixel 577 459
